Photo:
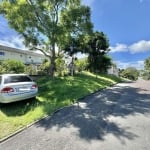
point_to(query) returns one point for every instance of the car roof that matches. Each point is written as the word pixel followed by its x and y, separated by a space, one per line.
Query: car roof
pixel 14 74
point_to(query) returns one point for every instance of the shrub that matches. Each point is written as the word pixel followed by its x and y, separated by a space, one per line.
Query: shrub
pixel 12 66
pixel 30 69
pixel 130 73
pixel 43 69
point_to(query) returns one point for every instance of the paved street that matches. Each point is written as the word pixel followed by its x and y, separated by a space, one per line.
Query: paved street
pixel 114 119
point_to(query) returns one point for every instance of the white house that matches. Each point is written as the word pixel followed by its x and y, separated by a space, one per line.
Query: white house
pixel 113 70
pixel 25 56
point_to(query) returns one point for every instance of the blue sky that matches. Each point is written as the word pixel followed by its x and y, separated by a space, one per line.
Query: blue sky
pixel 127 25
pixel 125 22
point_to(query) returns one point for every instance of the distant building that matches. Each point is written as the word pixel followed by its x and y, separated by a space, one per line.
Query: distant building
pixel 113 70
pixel 25 56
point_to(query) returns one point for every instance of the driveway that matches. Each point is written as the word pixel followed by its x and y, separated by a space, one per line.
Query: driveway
pixel 117 118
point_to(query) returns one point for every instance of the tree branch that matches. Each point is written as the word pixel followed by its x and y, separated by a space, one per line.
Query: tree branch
pixel 41 51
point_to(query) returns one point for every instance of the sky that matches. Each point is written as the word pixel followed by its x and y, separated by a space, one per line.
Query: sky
pixel 125 22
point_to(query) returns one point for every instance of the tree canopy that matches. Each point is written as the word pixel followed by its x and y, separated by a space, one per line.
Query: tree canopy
pixel 47 24
pixel 98 47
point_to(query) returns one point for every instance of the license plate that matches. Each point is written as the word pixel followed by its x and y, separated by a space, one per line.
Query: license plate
pixel 21 89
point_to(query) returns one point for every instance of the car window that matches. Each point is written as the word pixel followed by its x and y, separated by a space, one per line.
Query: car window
pixel 14 79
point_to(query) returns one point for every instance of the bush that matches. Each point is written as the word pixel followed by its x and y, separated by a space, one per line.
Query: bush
pixel 30 70
pixel 12 66
pixel 146 75
pixel 60 66
pixel 130 73
pixel 43 69
pixel 81 64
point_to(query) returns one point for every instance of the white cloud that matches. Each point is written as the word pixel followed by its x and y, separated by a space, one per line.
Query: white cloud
pixel 88 2
pixel 119 48
pixel 8 36
pixel 137 64
pixel 140 46
pixel 121 65
pixel 141 1
pixel 13 41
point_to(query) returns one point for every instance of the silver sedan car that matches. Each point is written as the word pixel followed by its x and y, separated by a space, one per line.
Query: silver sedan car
pixel 16 87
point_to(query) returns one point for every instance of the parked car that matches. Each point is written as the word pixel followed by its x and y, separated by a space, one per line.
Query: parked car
pixel 16 87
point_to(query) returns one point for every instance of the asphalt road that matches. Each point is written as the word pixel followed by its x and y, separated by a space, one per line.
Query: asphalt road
pixel 114 119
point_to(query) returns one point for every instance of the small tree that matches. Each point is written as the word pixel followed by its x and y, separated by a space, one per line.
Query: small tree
pixel 147 64
pixel 98 48
pixel 146 72
pixel 60 65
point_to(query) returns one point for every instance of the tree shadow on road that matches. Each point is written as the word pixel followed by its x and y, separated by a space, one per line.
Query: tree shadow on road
pixel 90 115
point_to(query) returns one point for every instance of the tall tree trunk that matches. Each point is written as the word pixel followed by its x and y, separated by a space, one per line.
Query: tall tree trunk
pixel 52 64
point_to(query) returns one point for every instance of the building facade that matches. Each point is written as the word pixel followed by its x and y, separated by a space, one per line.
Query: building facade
pixel 113 70
pixel 25 56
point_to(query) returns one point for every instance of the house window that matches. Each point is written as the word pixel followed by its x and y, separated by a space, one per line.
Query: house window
pixel 2 53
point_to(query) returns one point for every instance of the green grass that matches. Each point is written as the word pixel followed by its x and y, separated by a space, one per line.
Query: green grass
pixel 53 94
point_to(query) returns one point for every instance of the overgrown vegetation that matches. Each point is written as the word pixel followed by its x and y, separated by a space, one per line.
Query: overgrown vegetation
pixel 15 66
pixel 12 66
pixel 81 64
pixel 130 73
pixel 53 94
pixel 43 69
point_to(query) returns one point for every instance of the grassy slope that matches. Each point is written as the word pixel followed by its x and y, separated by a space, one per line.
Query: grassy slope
pixel 53 94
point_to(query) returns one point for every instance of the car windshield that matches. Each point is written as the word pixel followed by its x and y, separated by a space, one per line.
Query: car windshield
pixel 14 79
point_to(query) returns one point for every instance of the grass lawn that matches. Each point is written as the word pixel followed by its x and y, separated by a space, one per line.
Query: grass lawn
pixel 53 94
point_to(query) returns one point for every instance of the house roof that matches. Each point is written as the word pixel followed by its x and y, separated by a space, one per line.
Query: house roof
pixel 21 51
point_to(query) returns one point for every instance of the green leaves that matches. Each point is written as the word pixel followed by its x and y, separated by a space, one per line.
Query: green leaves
pixel 98 45
pixel 147 64
pixel 130 73
pixel 146 71
pixel 47 21
pixel 12 66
